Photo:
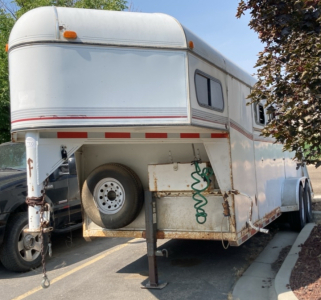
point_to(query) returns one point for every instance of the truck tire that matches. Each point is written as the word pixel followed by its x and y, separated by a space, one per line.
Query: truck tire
pixel 297 219
pixel 308 203
pixel 112 196
pixel 21 252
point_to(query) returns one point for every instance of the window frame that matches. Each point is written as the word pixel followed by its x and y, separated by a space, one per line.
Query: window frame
pixel 256 114
pixel 199 72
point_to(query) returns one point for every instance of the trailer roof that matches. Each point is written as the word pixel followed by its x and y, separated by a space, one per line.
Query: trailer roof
pixel 101 27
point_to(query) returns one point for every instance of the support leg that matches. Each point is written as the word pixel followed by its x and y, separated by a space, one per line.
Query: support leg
pixel 151 240
pixel 34 189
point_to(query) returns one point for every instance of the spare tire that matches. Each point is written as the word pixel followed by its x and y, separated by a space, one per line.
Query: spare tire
pixel 112 196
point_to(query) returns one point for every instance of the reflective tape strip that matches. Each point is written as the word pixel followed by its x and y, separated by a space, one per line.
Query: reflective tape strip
pixel 134 135
pixel 219 135
pixel 190 136
pixel 117 135
pixel 72 135
pixel 155 135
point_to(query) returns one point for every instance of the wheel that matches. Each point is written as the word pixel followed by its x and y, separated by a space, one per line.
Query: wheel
pixel 21 251
pixel 112 196
pixel 308 203
pixel 297 219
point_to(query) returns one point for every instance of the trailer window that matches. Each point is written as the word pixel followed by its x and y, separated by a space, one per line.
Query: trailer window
pixel 259 114
pixel 209 91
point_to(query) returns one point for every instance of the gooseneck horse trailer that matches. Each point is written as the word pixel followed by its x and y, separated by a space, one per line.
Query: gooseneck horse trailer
pixel 151 112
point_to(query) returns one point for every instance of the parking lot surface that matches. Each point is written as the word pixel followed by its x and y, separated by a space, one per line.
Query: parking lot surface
pixel 117 267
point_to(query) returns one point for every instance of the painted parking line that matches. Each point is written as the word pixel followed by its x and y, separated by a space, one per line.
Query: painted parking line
pixel 88 263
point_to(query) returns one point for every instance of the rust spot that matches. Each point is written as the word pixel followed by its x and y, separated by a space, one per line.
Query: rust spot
pixel 160 234
pixel 226 209
pixel 196 235
pixel 32 188
pixel 30 161
pixel 247 232
pixel 188 185
pixel 184 194
pixel 112 233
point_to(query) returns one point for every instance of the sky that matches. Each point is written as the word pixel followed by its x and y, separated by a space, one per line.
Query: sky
pixel 214 21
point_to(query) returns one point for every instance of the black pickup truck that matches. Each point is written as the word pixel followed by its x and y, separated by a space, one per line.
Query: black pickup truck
pixel 19 251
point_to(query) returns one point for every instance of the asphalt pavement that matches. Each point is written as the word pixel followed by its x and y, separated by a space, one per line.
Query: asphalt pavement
pixel 117 268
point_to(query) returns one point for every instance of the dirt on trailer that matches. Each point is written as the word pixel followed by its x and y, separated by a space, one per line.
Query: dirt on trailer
pixel 305 279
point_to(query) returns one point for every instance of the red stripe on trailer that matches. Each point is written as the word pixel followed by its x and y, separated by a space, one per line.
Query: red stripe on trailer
pixel 190 135
pixel 72 135
pixel 152 135
pixel 219 135
pixel 117 135
pixel 253 231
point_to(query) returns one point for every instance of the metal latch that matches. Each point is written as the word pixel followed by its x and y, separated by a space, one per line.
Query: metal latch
pixel 162 252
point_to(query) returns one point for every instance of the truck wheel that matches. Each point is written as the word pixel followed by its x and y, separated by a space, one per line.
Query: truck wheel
pixel 112 196
pixel 297 219
pixel 21 251
pixel 308 203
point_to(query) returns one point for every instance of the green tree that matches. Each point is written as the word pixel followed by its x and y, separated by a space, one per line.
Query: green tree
pixel 6 23
pixel 9 14
pixel 288 71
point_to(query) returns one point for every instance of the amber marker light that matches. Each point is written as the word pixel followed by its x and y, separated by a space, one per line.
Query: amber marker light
pixel 191 45
pixel 68 34
pixel 7 47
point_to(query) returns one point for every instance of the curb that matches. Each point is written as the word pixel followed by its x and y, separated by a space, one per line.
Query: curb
pixel 316 216
pixel 316 198
pixel 282 279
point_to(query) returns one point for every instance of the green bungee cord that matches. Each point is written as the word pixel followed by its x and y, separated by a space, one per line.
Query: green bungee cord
pixel 200 199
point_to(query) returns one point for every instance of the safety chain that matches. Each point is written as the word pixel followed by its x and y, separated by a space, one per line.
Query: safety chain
pixel 43 223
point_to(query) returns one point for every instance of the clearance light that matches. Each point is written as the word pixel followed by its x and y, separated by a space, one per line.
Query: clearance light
pixel 70 34
pixel 7 47
pixel 191 45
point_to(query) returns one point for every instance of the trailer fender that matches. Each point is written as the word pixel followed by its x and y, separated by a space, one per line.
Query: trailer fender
pixel 290 193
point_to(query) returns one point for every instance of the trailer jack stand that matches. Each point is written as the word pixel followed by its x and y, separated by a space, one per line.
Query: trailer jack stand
pixel 151 240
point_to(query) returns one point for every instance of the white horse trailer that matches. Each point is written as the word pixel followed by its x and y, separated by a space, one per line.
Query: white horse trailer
pixel 137 97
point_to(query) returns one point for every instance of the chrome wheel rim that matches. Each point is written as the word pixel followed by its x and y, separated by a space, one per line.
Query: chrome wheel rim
pixel 29 246
pixel 109 195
